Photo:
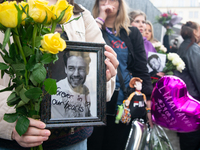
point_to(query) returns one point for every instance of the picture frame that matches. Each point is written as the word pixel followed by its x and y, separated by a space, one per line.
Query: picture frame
pixel 81 87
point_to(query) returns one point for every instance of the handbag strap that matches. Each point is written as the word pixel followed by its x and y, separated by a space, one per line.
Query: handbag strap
pixel 121 80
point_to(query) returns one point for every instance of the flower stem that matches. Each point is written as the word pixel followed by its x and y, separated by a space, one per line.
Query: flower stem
pixel 34 36
pixel 17 40
pixel 53 26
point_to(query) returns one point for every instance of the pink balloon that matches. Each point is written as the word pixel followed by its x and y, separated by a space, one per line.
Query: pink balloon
pixel 173 107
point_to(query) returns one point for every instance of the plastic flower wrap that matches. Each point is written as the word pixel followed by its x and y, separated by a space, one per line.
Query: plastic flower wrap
pixel 159 47
pixel 168 20
pixel 174 63
pixel 34 45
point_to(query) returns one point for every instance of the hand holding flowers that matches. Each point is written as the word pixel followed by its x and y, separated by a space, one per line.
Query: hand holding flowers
pixel 168 20
pixel 34 45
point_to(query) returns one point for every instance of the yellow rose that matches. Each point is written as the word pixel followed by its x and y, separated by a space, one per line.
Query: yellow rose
pixel 52 43
pixel 39 9
pixel 8 14
pixel 23 4
pixel 59 7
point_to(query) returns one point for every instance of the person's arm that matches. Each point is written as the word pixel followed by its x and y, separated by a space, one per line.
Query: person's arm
pixel 5 127
pixel 192 62
pixel 139 69
pixel 93 34
pixel 35 135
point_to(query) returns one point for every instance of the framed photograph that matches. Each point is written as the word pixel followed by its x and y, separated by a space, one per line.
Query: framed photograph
pixel 156 62
pixel 80 74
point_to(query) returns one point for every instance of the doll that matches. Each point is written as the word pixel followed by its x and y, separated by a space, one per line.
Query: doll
pixel 136 101
pixel 134 106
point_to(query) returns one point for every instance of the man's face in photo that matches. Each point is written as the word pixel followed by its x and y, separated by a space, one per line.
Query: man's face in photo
pixel 155 63
pixel 76 71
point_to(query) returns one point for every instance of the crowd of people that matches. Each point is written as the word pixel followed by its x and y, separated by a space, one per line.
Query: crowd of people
pixel 128 38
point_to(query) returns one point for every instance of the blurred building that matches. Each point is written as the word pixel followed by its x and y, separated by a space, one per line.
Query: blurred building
pixel 187 9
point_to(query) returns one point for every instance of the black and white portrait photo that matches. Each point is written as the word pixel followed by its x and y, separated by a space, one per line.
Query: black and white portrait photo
pixel 155 62
pixel 76 77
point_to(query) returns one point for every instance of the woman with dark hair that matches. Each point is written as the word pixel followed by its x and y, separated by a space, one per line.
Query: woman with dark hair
pixel 112 18
pixel 189 51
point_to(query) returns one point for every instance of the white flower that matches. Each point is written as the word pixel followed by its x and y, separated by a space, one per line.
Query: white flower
pixel 176 61
pixel 162 48
pixel 172 56
pixel 157 44
pixel 180 67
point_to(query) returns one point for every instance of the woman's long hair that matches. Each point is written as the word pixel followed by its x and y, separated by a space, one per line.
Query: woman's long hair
pixel 187 31
pixel 152 31
pixel 133 14
pixel 122 19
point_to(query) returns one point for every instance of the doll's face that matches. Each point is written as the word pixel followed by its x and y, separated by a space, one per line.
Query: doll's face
pixel 138 85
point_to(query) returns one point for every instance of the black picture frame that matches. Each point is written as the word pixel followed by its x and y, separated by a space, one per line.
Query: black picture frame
pixel 97 82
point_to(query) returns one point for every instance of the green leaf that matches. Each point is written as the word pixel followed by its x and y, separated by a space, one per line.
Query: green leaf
pixel 19 14
pixel 21 111
pixel 38 55
pixel 18 67
pixel 10 88
pixel 31 63
pixel 73 19
pixel 47 58
pixel 23 97
pixel 27 51
pixel 3 66
pixel 45 31
pixel 61 15
pixel 55 58
pixel 37 105
pixel 29 32
pixel 12 51
pixel 8 60
pixel 6 37
pixel 10 117
pixel 33 93
pixel 38 41
pixel 13 99
pixel 169 73
pixel 22 125
pixel 18 89
pixel 50 86
pixel 33 114
pixel 39 74
pixel 20 104
pixel 33 81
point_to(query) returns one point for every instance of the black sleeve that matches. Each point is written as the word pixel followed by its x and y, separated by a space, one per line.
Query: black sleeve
pixel 139 69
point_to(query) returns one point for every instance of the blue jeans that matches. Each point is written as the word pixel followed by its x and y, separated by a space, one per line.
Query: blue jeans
pixel 78 146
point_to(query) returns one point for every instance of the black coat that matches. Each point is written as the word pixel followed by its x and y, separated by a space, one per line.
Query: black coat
pixel 191 75
pixel 137 62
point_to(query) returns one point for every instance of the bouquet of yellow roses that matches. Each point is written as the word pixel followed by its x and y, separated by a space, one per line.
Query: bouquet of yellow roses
pixel 29 44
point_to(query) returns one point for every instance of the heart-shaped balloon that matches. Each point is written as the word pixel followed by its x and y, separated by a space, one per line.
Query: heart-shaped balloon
pixel 173 107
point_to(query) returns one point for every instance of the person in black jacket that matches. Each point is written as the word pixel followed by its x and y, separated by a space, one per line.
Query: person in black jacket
pixel 189 51
pixel 112 18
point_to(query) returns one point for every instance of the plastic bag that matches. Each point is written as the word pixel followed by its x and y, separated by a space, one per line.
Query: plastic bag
pixel 159 139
